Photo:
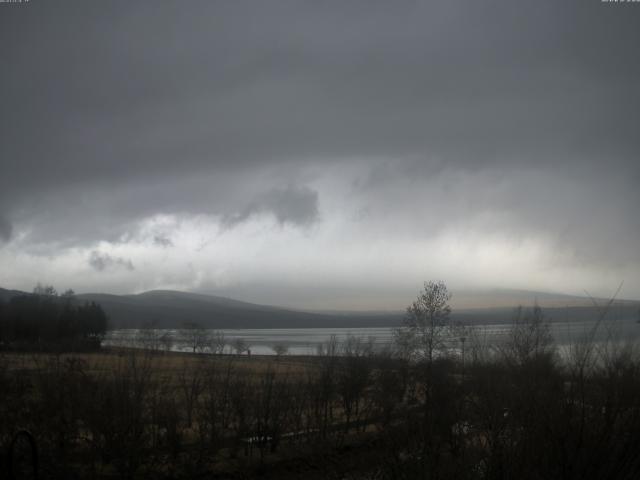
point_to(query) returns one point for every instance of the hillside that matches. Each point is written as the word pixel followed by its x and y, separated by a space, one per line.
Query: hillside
pixel 172 309
pixel 510 298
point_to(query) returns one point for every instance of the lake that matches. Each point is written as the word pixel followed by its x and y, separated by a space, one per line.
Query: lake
pixel 305 341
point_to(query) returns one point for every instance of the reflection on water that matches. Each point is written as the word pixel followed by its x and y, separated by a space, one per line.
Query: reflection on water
pixel 305 341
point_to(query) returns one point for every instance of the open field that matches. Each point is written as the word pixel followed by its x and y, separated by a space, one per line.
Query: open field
pixel 348 413
pixel 165 395
pixel 167 364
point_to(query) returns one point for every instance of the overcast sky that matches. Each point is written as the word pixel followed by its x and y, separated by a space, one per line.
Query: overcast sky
pixel 320 154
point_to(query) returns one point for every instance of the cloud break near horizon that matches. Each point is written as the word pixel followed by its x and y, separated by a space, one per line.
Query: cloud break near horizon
pixel 320 154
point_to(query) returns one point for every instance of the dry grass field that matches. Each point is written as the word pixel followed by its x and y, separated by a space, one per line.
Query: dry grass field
pixel 346 414
pixel 166 364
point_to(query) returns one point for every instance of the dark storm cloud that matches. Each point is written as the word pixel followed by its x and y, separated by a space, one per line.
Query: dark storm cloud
pixel 293 205
pixel 115 111
pixel 586 209
pixel 162 241
pixel 103 261
pixel 5 229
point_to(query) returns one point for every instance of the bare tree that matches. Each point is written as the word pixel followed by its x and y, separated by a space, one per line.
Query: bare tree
pixel 194 337
pixel 321 383
pixel 529 336
pixel 217 342
pixel 45 290
pixel 353 377
pixel 426 326
pixel 280 349
pixel 191 382
pixel 167 341
pixel 240 346
pixel 149 337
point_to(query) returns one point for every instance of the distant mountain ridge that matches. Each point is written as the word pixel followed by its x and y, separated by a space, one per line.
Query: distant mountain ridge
pixel 173 309
pixel 6 295
pixel 501 298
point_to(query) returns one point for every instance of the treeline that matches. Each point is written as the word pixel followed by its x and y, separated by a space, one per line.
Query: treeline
pixel 192 337
pixel 47 320
pixel 517 411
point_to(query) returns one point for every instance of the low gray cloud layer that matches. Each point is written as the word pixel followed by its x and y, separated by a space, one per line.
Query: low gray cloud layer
pixel 415 121
pixel 162 241
pixel 292 205
pixel 5 229
pixel 104 261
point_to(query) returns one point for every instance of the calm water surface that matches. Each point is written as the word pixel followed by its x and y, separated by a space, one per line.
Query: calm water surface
pixel 305 341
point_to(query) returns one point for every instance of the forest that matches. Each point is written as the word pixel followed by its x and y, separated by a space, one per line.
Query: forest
pixel 46 320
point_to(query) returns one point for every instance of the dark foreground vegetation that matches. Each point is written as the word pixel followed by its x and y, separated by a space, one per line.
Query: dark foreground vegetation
pixel 46 320
pixel 422 409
